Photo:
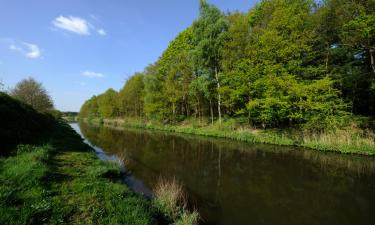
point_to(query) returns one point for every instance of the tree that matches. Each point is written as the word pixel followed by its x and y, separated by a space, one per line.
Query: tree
pixel 108 104
pixel 209 36
pixel 155 103
pixel 359 33
pixel 299 63
pixel 347 32
pixel 175 73
pixel 33 93
pixel 132 96
pixel 235 81
pixel 90 108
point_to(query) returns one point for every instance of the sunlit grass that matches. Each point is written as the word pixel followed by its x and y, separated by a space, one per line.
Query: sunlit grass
pixel 349 140
pixel 40 185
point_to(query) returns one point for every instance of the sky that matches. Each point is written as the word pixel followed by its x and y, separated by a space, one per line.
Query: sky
pixel 80 48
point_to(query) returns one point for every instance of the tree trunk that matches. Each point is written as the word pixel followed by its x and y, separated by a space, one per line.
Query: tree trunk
pixel 327 59
pixel 174 111
pixel 199 112
pixel 212 113
pixel 218 93
pixel 372 51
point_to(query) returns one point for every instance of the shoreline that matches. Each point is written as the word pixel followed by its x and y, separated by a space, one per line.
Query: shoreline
pixel 343 141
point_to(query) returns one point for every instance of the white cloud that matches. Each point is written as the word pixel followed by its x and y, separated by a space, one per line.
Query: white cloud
pixel 31 51
pixel 88 73
pixel 73 24
pixel 102 32
pixel 82 84
pixel 15 48
pixel 34 51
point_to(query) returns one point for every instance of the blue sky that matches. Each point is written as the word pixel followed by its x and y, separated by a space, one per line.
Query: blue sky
pixel 81 48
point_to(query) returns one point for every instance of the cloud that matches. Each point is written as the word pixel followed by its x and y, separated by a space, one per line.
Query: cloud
pixel 15 48
pixel 29 50
pixel 73 24
pixel 34 51
pixel 82 84
pixel 88 73
pixel 77 25
pixel 102 32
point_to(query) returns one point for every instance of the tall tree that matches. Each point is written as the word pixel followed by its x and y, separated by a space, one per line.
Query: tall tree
pixel 108 104
pixel 33 93
pixel 132 96
pixel 209 36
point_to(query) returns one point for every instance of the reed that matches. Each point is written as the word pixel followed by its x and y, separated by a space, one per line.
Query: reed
pixel 171 199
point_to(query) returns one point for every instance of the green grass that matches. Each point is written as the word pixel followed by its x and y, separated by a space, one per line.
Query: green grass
pixel 24 198
pixel 350 140
pixel 89 191
pixel 48 175
pixel 40 185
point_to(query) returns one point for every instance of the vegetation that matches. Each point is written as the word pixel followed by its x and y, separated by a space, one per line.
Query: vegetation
pixel 21 124
pixel 69 116
pixel 49 176
pixel 170 198
pixel 297 65
pixel 68 188
pixel 352 140
pixel 33 93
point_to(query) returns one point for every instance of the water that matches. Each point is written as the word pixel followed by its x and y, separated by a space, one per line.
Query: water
pixel 232 183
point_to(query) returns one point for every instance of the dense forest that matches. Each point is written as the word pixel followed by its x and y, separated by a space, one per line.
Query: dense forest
pixel 284 63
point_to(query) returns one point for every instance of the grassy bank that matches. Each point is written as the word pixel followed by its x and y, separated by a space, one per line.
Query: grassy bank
pixel 43 185
pixel 350 141
pixel 40 185
pixel 49 176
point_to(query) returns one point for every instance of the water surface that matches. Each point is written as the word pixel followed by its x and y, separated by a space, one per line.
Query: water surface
pixel 232 182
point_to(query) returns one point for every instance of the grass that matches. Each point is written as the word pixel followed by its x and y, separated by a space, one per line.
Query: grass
pixel 170 198
pixel 89 191
pixel 350 140
pixel 24 198
pixel 48 175
pixel 40 185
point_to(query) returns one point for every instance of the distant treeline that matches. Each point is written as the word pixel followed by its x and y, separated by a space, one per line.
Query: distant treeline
pixel 300 63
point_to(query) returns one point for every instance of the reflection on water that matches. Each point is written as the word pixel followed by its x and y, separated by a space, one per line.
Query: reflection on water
pixel 233 183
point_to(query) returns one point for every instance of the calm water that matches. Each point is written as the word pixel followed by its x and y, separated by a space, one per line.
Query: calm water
pixel 234 183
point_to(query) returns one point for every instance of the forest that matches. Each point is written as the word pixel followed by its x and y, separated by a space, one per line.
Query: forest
pixel 285 63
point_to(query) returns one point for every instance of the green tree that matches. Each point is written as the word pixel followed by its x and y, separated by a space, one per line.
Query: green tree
pixel 209 36
pixel 359 33
pixel 90 108
pixel 108 104
pixel 33 93
pixel 132 96
pixel 155 103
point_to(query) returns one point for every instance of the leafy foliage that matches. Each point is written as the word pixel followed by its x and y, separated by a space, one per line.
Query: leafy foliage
pixel 295 63
pixel 33 93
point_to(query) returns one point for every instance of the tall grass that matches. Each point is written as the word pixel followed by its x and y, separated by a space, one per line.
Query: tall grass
pixel 171 199
pixel 345 140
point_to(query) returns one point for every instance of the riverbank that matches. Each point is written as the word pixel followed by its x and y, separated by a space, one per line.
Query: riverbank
pixel 42 185
pixel 349 141
pixel 49 175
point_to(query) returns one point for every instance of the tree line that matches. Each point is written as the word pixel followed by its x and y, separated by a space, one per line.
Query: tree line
pixel 300 63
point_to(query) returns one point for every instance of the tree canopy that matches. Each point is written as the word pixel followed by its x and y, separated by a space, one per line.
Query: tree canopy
pixel 297 63
pixel 33 93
